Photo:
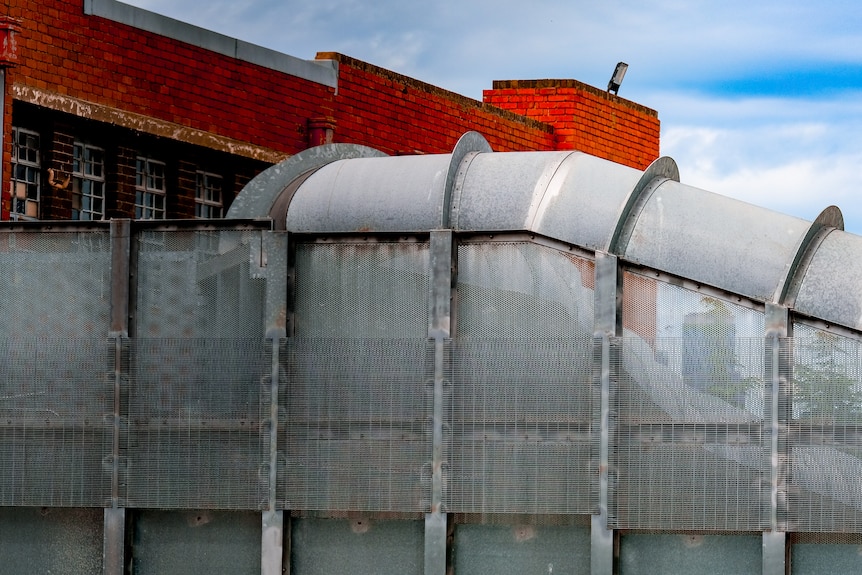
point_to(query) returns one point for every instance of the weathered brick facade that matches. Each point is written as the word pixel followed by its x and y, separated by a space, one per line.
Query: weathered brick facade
pixel 88 72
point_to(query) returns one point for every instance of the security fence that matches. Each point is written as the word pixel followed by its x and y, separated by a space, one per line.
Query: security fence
pixel 201 374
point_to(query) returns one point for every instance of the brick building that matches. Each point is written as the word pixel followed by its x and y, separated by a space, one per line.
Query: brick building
pixel 112 111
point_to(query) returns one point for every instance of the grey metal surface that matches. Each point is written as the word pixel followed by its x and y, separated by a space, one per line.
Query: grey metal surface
pixel 521 548
pixel 604 386
pixel 830 287
pixel 261 196
pixel 194 436
pixel 439 331
pixel 774 552
pixel 835 558
pixel 706 237
pixel 356 545
pixel 360 289
pixel 357 432
pixel 826 434
pixel 44 540
pixel 408 196
pixel 678 554
pixel 195 541
pixel 114 542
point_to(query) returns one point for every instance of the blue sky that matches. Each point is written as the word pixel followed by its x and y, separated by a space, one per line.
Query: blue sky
pixel 759 100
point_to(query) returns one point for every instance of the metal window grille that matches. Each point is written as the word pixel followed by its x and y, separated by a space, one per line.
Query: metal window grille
pixel 25 177
pixel 88 182
pixel 150 189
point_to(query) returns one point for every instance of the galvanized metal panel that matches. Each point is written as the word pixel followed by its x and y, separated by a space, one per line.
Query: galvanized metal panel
pixel 200 284
pixel 826 433
pixel 841 555
pixel 195 541
pixel 56 401
pixel 672 554
pixel 55 284
pixel 372 195
pixel 43 540
pixel 568 196
pixel 707 238
pixel 522 289
pixel 195 434
pixel 362 290
pixel 357 426
pixel 830 287
pixel 518 549
pixel 689 454
pixel 357 545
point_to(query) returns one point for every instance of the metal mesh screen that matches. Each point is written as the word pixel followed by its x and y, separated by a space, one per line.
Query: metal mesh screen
pixel 690 450
pixel 56 399
pixel 825 468
pixel 55 284
pixel 517 433
pixel 362 290
pixel 195 435
pixel 357 430
pixel 200 284
pixel 522 290
pixel 520 427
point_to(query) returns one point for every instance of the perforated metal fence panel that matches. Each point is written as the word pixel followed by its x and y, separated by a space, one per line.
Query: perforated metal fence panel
pixel 690 450
pixel 825 467
pixel 55 284
pixel 195 434
pixel 520 433
pixel 357 429
pixel 522 289
pixel 56 399
pixel 362 290
pixel 195 284
pixel 520 408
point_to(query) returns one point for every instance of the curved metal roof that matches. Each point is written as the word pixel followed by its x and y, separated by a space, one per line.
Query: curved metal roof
pixel 647 217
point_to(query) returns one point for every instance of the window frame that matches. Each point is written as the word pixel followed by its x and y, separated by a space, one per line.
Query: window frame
pixel 150 189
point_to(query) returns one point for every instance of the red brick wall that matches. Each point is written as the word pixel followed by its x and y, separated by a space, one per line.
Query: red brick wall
pixel 62 51
pixel 399 115
pixel 584 118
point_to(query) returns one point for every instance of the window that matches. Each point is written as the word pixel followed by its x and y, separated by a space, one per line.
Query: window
pixel 149 190
pixel 25 185
pixel 208 197
pixel 88 182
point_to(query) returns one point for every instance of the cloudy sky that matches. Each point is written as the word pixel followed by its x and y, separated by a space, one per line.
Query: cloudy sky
pixel 759 99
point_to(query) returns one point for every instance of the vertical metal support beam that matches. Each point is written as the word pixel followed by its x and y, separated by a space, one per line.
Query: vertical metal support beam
pixel 775 422
pixel 275 246
pixel 113 549
pixel 607 297
pixel 439 331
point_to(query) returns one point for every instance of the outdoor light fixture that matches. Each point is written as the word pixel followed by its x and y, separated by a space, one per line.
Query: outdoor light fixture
pixel 617 78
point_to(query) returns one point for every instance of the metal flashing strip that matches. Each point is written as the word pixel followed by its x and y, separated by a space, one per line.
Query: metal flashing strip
pixel 829 219
pixel 319 71
pixel 658 172
pixel 142 123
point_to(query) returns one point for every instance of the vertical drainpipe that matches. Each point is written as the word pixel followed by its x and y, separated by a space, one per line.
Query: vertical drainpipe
pixel 9 30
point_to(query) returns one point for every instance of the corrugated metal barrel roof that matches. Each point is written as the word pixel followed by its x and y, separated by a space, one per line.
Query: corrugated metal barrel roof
pixel 649 217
